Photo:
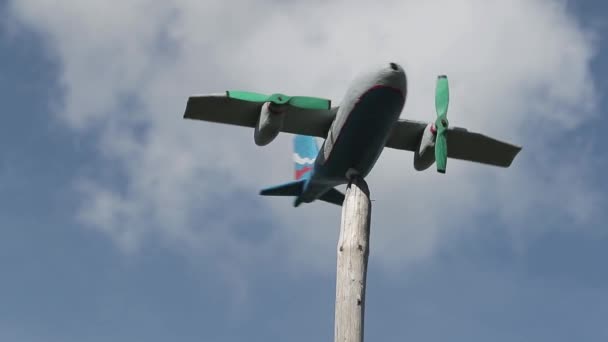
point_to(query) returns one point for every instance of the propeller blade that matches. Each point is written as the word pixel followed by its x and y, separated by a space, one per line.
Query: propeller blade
pixel 247 96
pixel 442 96
pixel 442 99
pixel 441 151
pixel 307 102
pixel 304 102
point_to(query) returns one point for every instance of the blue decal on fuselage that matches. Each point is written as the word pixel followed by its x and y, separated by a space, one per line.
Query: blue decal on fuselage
pixel 359 142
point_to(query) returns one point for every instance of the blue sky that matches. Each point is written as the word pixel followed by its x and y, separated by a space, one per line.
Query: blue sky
pixel 102 241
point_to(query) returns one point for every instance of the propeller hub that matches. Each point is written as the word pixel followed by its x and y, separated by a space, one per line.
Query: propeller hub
pixel 279 99
pixel 304 102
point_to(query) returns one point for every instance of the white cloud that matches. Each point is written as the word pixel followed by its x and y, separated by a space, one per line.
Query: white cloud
pixel 519 70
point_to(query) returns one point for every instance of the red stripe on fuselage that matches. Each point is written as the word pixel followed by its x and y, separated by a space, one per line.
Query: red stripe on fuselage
pixel 302 172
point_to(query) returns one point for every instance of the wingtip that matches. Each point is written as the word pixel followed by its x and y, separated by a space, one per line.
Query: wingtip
pixel 517 149
pixel 264 192
pixel 186 111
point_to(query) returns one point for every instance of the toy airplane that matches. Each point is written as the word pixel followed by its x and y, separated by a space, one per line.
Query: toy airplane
pixel 355 133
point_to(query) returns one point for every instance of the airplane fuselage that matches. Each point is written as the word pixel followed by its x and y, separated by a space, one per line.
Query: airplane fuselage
pixel 371 106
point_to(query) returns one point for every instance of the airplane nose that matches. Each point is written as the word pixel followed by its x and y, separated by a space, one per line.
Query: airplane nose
pixel 395 76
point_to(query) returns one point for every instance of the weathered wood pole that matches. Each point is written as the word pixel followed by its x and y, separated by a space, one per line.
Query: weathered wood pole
pixel 353 251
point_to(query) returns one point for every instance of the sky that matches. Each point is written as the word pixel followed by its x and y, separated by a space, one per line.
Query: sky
pixel 120 221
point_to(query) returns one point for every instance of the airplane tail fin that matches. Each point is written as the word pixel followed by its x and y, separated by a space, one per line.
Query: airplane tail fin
pixel 305 152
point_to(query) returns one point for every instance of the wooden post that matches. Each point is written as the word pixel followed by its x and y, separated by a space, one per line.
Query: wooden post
pixel 353 251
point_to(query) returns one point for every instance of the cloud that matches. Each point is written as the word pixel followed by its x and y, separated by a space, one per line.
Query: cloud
pixel 519 71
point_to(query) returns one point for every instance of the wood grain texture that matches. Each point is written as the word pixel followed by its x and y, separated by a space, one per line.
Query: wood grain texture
pixel 353 252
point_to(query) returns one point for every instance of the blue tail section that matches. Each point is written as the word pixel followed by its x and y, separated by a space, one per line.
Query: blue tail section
pixel 305 152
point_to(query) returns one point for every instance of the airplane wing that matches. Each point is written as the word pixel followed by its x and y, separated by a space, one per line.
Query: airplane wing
pixel 222 109
pixel 462 144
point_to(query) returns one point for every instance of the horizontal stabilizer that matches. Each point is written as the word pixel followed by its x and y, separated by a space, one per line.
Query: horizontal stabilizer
pixel 288 189
pixel 333 196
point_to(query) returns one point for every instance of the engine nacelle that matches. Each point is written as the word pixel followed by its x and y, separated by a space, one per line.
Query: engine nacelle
pixel 269 123
pixel 424 157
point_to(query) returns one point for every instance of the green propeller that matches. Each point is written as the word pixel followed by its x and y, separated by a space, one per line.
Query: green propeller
pixel 304 102
pixel 442 98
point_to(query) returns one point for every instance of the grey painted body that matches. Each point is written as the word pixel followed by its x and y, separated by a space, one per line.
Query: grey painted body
pixel 370 108
pixel 355 133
